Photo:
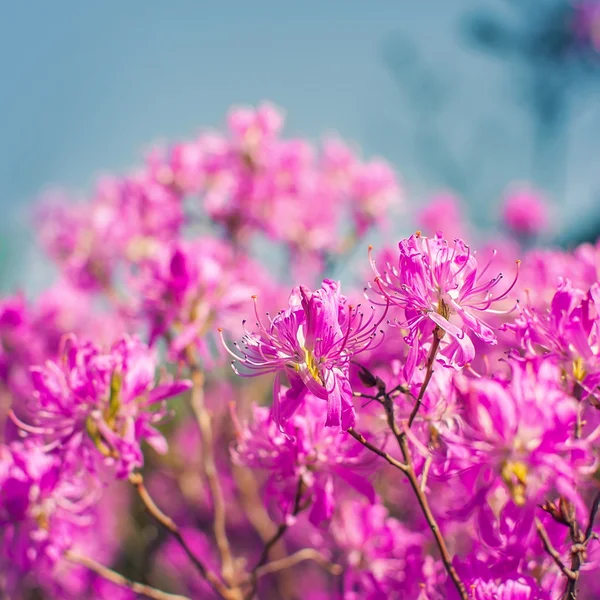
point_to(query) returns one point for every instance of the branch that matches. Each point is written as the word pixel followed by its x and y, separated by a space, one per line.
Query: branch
pixel 437 338
pixel 435 529
pixel 579 548
pixel 210 469
pixel 296 558
pixel 118 579
pixel 593 512
pixel 165 521
pixel 281 529
pixel 553 552
pixel 425 473
pixel 258 517
pixel 408 467
pixel 361 438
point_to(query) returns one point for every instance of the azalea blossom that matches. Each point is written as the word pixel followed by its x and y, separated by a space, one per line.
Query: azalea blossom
pixel 312 342
pixel 94 405
pixel 322 459
pixel 42 503
pixel 443 292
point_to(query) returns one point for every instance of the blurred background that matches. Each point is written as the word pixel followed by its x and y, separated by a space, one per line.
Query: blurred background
pixel 466 95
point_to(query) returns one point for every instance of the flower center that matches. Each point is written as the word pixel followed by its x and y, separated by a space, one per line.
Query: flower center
pixel 443 308
pixel 514 474
pixel 313 365
pixel 578 369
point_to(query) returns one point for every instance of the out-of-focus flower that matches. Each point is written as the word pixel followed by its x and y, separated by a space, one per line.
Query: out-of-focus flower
pixel 567 330
pixel 443 212
pixel 42 503
pixel 93 405
pixel 586 22
pixel 324 459
pixel 525 211
pixel 520 435
pixel 489 581
pixel 382 556
pixel 189 288
pixel 374 190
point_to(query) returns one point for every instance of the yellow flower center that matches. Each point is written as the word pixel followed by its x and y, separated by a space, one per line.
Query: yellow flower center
pixel 578 369
pixel 443 309
pixel 109 415
pixel 514 474
pixel 312 365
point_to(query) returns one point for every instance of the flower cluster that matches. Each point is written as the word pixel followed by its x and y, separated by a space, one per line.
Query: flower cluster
pixel 430 433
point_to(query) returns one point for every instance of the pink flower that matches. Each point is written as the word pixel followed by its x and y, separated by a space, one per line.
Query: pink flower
pixel 525 211
pixel 520 435
pixel 442 291
pixel 91 405
pixel 326 460
pixel 189 287
pixel 586 23
pixel 382 556
pixel 312 342
pixel 442 212
pixel 250 127
pixel 43 502
pixel 495 580
pixel 568 330
pixel 374 190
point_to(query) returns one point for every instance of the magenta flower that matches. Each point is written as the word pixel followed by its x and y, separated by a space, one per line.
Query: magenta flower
pixel 442 291
pixel 586 24
pixel 323 458
pixel 188 288
pixel 525 211
pixel 374 190
pixel 42 504
pixel 520 435
pixel 493 580
pixel 444 211
pixel 312 342
pixel 568 330
pixel 91 404
pixel 382 556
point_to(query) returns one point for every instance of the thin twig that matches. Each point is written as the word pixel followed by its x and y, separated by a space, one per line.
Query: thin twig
pixel 296 558
pixel 281 529
pixel 137 481
pixel 367 396
pixel 210 469
pixel 435 529
pixel 428 373
pixel 578 550
pixel 118 579
pixel 361 438
pixel 409 470
pixel 553 552
pixel 425 473
pixel 259 518
pixel 593 512
pixel 577 393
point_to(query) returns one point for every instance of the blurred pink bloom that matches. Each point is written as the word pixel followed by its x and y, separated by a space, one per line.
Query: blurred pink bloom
pixel 374 190
pixel 443 212
pixel 525 211
pixel 304 448
pixel 92 405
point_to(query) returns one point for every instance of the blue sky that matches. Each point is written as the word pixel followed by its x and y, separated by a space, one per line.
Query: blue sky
pixel 88 85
